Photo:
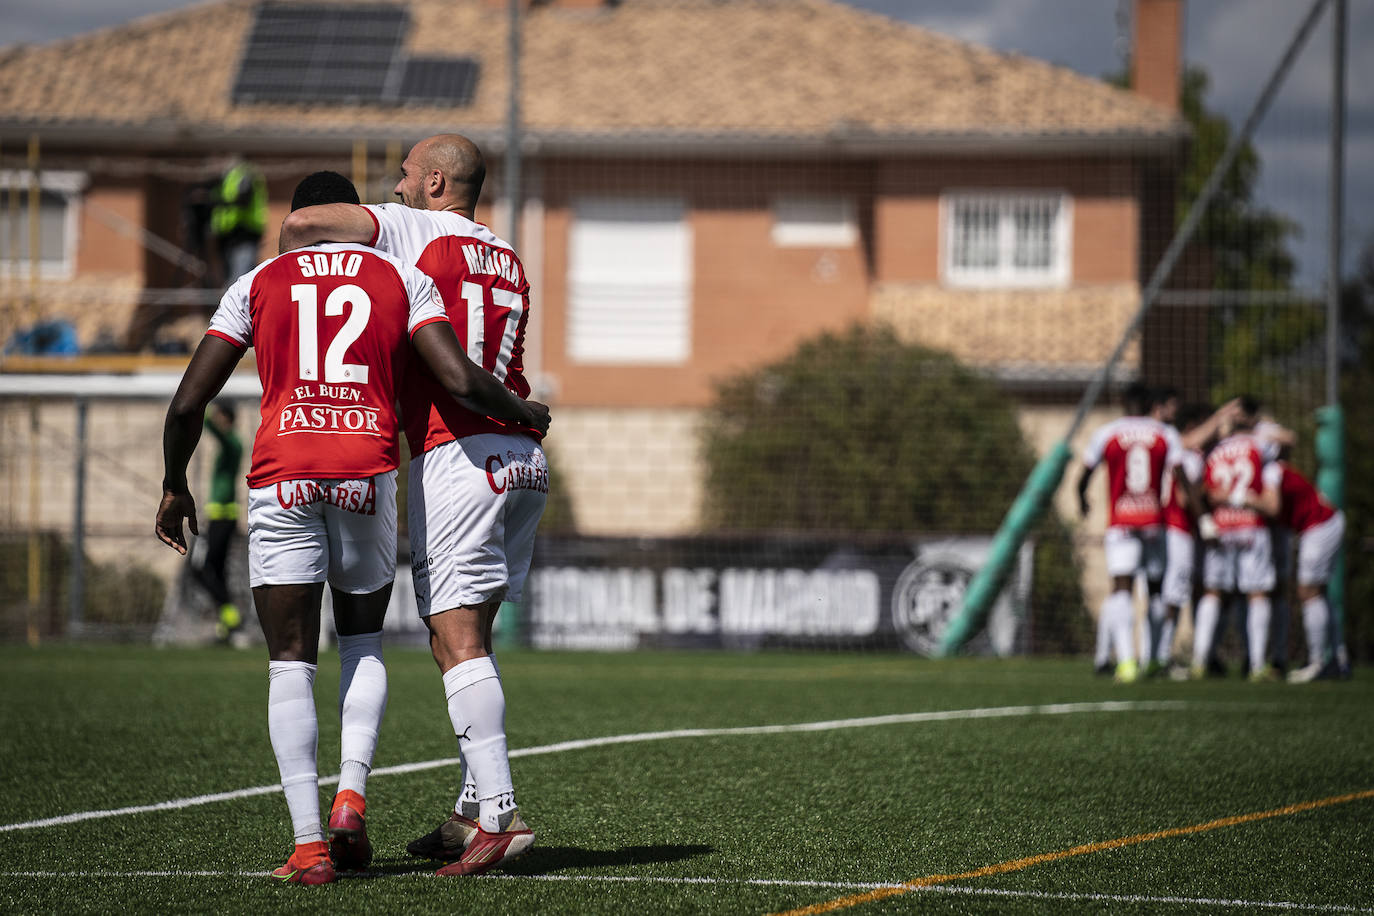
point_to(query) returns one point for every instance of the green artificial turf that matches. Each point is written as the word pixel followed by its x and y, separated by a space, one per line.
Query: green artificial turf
pixel 715 823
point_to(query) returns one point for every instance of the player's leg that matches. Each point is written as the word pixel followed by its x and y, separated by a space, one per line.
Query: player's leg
pixel 1123 555
pixel 1153 560
pixel 287 567
pixel 1317 549
pixel 1281 545
pixel 502 512
pixel 1255 577
pixel 1177 588
pixel 1218 577
pixel 361 524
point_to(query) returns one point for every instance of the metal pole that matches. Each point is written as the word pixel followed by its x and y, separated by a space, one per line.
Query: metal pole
pixel 76 613
pixel 512 178
pixel 35 227
pixel 1195 213
pixel 360 169
pixel 1336 209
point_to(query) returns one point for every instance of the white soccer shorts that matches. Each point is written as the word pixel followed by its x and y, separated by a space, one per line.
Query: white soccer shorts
pixel 1178 570
pixel 1133 550
pixel 1317 549
pixel 473 505
pixel 339 531
pixel 1242 561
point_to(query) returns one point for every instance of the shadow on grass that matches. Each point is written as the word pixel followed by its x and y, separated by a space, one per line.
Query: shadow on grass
pixel 544 860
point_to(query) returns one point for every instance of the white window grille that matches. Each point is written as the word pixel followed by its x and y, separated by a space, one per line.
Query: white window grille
pixel 801 221
pixel 1006 240
pixel 59 197
pixel 629 281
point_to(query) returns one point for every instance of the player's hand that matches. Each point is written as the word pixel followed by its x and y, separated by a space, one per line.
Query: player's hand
pixel 175 507
pixel 1207 528
pixel 539 416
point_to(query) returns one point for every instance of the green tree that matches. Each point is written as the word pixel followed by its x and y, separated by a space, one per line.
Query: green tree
pixel 858 432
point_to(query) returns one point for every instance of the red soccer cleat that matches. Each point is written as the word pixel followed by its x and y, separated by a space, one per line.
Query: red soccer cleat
pixel 348 843
pixel 309 864
pixel 489 850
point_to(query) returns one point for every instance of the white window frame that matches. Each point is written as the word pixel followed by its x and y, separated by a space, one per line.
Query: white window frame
pixel 1005 275
pixel 67 184
pixel 617 331
pixel 795 227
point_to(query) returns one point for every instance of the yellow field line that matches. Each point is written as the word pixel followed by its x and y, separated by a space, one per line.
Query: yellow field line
pixel 882 893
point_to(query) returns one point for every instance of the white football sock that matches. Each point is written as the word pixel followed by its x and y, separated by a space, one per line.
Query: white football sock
pixel 477 709
pixel 1120 613
pixel 1316 623
pixel 1155 618
pixel 1102 656
pixel 1257 630
pixel 292 726
pixel 1205 617
pixel 362 703
pixel 468 804
pixel 1166 638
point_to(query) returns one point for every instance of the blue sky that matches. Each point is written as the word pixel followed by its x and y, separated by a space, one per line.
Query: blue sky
pixel 1237 41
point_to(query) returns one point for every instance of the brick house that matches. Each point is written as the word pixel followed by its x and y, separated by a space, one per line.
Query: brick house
pixel 685 162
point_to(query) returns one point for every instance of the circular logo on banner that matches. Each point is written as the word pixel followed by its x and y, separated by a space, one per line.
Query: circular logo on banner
pixel 927 595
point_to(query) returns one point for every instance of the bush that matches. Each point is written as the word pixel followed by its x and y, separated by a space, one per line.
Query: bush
pixel 860 432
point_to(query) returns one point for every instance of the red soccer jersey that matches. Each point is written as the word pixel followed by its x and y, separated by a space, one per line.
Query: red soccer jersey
pixel 1176 512
pixel 1136 451
pixel 1301 505
pixel 331 325
pixel 484 289
pixel 1235 466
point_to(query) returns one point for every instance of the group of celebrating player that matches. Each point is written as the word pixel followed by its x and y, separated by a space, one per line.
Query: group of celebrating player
pixel 1180 476
pixel 374 318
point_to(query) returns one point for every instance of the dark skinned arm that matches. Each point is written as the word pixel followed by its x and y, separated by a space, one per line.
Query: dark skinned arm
pixel 326 223
pixel 210 367
pixel 470 384
pixel 1085 475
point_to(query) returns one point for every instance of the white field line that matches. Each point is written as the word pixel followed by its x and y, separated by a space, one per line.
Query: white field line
pixel 991 712
pixel 753 882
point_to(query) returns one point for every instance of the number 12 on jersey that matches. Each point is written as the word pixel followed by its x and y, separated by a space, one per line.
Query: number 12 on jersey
pixel 306 296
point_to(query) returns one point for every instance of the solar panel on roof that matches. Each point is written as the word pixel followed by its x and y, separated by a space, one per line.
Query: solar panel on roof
pixel 322 53
pixel 439 80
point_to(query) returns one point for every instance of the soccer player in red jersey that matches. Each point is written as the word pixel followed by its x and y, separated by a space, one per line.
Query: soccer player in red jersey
pixel 477 486
pixel 333 327
pixel 1292 501
pixel 1239 560
pixel 1136 448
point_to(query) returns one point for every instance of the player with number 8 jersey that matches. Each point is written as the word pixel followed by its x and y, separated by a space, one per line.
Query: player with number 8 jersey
pixel 1136 449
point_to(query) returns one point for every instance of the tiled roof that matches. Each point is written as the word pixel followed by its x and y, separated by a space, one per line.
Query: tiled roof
pixel 643 68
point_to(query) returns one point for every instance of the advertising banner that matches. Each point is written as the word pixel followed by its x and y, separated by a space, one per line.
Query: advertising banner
pixel 762 591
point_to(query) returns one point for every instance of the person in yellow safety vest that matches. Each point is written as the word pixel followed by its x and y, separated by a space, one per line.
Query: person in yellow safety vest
pixel 239 218
pixel 223 512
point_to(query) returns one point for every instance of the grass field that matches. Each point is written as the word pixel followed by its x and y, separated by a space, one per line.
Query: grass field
pixel 1155 798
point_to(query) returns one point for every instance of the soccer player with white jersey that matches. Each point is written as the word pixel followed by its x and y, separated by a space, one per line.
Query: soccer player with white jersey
pixel 1239 560
pixel 477 486
pixel 1292 501
pixel 1136 448
pixel 333 328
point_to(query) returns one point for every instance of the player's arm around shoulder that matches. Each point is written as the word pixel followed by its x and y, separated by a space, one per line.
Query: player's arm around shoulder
pixel 469 384
pixel 327 223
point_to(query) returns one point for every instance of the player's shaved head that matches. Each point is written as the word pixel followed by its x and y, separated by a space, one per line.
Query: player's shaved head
pixel 458 160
